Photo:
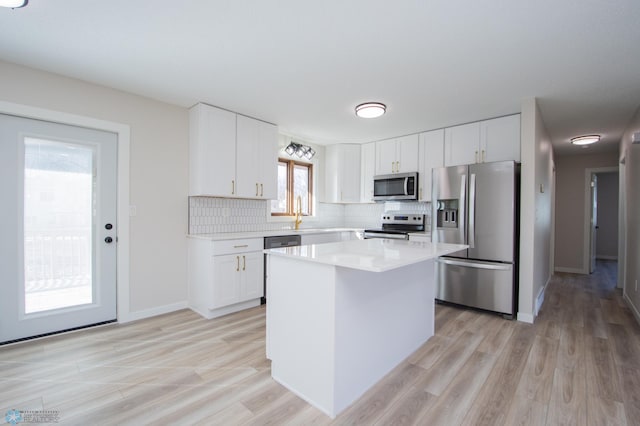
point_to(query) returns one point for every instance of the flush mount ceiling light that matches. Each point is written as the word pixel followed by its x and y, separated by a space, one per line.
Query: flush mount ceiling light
pixel 14 4
pixel 300 150
pixel 370 109
pixel 585 140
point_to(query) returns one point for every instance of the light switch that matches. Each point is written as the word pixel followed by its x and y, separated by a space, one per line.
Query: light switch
pixel 542 188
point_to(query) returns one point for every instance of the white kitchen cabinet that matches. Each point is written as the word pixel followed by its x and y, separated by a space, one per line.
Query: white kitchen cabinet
pixel 398 155
pixel 231 155
pixel 500 139
pixel 225 276
pixel 212 151
pixel 497 139
pixel 431 155
pixel 256 158
pixel 342 173
pixel 368 171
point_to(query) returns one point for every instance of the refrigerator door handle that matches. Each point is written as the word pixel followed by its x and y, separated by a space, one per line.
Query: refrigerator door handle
pixel 461 215
pixel 472 211
pixel 496 267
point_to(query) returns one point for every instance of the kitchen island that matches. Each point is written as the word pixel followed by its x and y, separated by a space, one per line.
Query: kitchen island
pixel 342 315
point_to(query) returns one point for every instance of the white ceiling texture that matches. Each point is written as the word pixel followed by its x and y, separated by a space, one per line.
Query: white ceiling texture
pixel 305 65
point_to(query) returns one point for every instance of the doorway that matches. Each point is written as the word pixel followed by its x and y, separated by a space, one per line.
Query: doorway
pixel 601 215
pixel 58 252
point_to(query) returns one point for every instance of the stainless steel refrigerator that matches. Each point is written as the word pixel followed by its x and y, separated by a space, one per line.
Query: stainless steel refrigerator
pixel 478 205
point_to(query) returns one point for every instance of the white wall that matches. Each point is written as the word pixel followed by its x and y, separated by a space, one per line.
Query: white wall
pixel 536 210
pixel 630 154
pixel 158 175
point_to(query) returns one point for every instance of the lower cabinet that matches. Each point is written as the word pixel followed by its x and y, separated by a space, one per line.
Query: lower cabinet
pixel 225 276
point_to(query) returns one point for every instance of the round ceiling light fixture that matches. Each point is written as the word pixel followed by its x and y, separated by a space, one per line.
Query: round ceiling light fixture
pixel 14 4
pixel 585 140
pixel 370 109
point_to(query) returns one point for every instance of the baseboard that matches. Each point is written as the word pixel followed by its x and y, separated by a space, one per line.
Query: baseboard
pixel 528 318
pixel 225 310
pixel 602 257
pixel 570 270
pixel 632 307
pixel 148 313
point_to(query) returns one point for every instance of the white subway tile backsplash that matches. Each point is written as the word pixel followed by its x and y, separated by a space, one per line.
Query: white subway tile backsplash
pixel 208 215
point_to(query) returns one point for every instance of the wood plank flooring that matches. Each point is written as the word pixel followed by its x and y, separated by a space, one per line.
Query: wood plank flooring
pixel 579 364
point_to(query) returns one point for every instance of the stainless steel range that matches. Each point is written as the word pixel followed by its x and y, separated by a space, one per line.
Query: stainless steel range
pixel 396 225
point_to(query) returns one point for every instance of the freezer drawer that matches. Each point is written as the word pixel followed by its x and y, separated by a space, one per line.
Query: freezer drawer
pixel 478 284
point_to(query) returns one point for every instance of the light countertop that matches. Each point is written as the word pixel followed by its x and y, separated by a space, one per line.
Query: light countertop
pixel 374 255
pixel 261 234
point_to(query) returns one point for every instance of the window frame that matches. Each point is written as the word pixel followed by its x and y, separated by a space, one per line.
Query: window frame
pixel 290 210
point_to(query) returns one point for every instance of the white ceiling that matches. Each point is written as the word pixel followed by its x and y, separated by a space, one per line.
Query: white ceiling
pixel 305 65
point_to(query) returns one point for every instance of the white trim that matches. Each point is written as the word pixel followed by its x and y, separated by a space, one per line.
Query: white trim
pixel 632 307
pixel 124 141
pixel 524 317
pixel 158 310
pixel 622 224
pixel 586 252
pixel 570 270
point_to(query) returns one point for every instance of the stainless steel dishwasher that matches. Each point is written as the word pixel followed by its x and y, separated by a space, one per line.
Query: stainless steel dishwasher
pixel 277 242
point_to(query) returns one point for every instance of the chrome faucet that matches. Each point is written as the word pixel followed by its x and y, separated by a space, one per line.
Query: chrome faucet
pixel 298 212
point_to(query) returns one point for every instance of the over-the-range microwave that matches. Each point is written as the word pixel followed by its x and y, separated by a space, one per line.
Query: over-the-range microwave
pixel 397 186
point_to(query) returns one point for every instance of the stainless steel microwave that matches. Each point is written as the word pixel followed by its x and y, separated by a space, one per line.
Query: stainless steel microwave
pixel 397 186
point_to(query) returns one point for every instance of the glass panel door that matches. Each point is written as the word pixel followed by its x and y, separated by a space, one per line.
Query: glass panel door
pixel 58 251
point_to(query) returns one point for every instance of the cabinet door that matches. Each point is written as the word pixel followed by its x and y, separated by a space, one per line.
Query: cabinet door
pixel 500 139
pixel 461 144
pixel 431 155
pixel 226 280
pixel 368 169
pixel 268 147
pixel 212 151
pixel 349 173
pixel 331 174
pixel 252 276
pixel 247 157
pixel 407 154
pixel 386 157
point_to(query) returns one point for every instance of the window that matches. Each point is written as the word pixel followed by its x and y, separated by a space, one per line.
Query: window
pixel 294 180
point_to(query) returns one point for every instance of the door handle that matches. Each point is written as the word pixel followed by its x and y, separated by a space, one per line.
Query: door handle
pixel 237 263
pixel 462 215
pixel 233 187
pixel 261 190
pixel 256 189
pixel 244 263
pixel 495 267
pixel 472 211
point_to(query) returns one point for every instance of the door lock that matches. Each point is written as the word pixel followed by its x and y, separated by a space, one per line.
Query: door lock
pixel 108 240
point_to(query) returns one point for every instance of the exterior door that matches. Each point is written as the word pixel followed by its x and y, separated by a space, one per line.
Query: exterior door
pixel 58 226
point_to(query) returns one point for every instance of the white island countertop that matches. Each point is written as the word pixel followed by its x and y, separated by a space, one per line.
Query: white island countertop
pixel 373 255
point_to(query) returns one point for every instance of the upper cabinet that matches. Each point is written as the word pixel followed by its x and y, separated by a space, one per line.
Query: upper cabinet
pixel 367 170
pixel 398 155
pixel 431 155
pixel 231 155
pixel 485 141
pixel 342 173
pixel 256 158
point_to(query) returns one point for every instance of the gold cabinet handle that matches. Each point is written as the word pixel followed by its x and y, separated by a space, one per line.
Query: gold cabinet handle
pixel 241 246
pixel 393 167
pixel 244 263
pixel 237 263
pixel 261 190
pixel 256 189
pixel 398 167
pixel 233 187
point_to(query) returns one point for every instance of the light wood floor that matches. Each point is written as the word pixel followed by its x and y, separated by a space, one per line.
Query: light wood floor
pixel 579 364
